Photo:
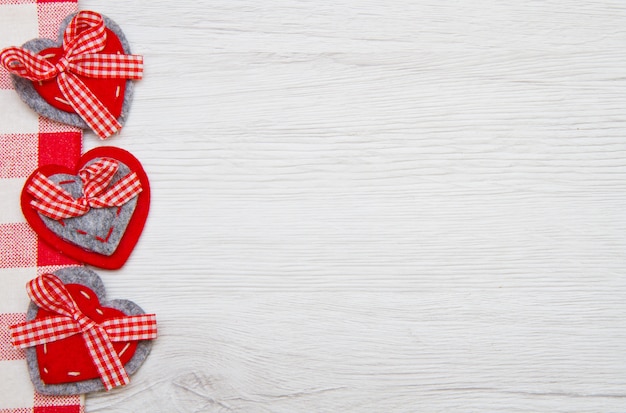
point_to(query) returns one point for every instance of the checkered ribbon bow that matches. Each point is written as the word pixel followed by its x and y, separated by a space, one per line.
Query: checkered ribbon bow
pixel 55 202
pixel 84 37
pixel 49 293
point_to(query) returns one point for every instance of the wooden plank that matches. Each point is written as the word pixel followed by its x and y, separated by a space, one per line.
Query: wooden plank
pixel 378 206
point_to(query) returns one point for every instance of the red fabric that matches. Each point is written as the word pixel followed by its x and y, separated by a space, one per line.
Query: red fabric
pixel 18 246
pixel 135 225
pixel 81 56
pixel 20 154
pixel 72 312
pixel 51 1
pixel 49 256
pixel 55 404
pixel 58 409
pixel 61 148
pixel 8 351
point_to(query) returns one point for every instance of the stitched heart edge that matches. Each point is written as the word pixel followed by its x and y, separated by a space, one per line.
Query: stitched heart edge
pixel 133 229
pixel 26 91
pixel 91 280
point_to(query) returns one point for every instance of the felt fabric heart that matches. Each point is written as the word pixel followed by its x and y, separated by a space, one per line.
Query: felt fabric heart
pixel 103 232
pixel 65 367
pixel 108 91
pixel 45 98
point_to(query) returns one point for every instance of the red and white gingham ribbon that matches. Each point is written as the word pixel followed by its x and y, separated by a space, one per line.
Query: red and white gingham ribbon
pixel 55 202
pixel 49 293
pixel 84 37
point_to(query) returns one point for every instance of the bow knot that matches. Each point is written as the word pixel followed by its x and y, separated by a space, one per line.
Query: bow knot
pixel 49 293
pixel 84 201
pixel 84 323
pixel 55 202
pixel 84 38
pixel 62 65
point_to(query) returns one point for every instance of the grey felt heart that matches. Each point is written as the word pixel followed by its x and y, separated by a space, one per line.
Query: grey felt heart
pixel 29 95
pixel 88 278
pixel 100 229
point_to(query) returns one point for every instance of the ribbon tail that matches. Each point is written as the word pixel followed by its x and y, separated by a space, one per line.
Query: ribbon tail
pixel 51 200
pixel 106 360
pixel 108 66
pixel 59 210
pixel 123 191
pixel 41 331
pixel 42 188
pixel 87 105
pixel 131 328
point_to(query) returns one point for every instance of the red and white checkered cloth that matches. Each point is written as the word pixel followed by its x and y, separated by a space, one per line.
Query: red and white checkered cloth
pixel 26 141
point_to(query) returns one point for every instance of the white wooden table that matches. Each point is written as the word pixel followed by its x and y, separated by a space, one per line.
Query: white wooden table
pixel 378 206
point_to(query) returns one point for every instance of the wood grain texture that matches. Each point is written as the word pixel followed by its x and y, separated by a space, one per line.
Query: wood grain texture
pixel 371 206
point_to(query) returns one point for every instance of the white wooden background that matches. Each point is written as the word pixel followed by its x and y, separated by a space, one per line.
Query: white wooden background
pixel 378 206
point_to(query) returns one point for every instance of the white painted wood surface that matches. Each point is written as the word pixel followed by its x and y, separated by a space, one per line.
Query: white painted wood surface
pixel 378 206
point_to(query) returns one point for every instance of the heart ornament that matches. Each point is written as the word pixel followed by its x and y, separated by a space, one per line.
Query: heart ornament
pixel 76 340
pixel 94 214
pixel 84 79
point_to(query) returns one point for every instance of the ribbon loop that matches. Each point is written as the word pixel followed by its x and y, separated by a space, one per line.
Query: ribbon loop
pixel 55 202
pixel 26 64
pixel 49 293
pixel 84 37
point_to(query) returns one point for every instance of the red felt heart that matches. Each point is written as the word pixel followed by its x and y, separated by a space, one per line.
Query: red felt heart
pixel 135 224
pixel 108 91
pixel 68 360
